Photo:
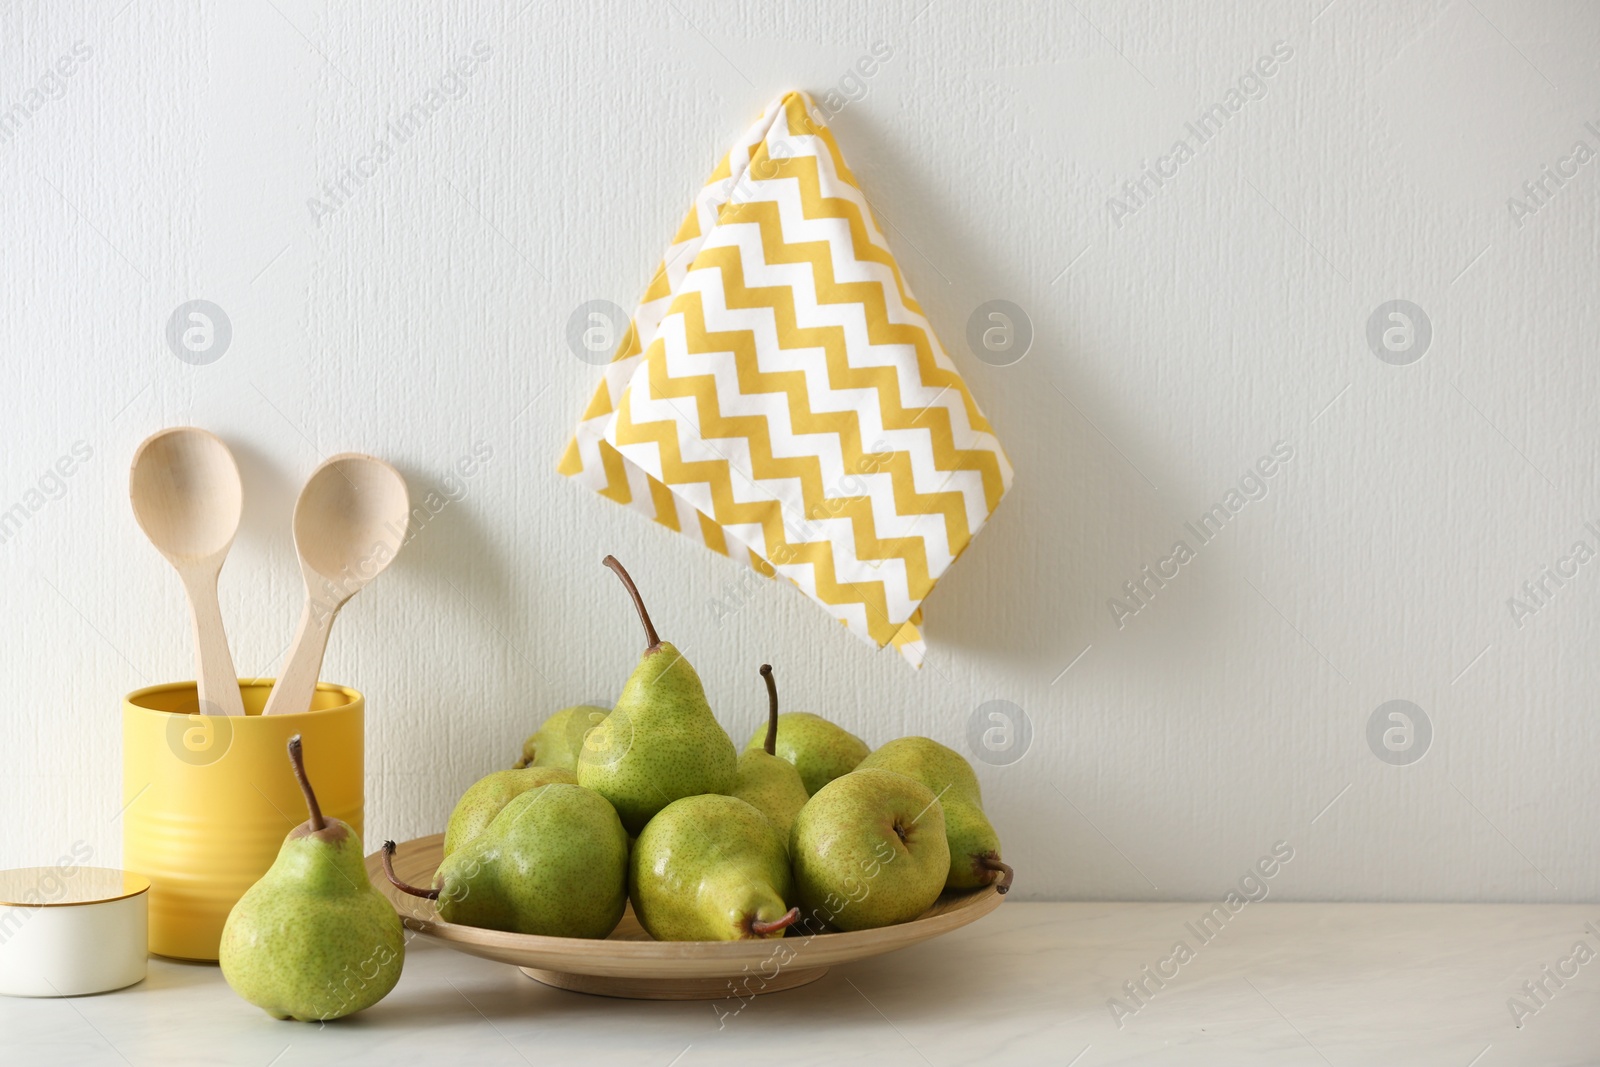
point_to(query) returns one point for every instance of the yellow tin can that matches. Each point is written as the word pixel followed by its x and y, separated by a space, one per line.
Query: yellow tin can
pixel 208 799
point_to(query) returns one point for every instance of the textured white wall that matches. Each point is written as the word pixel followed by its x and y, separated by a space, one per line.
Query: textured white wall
pixel 1176 342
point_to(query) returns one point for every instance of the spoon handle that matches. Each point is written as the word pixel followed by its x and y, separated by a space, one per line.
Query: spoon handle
pixel 216 680
pixel 298 679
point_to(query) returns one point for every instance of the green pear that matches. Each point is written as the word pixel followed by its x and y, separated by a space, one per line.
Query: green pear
pixel 711 868
pixel 974 845
pixel 559 738
pixel 661 742
pixel 313 939
pixel 767 783
pixel 484 799
pixel 819 750
pixel 553 862
pixel 869 850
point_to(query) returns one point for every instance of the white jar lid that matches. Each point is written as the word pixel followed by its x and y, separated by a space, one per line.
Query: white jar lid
pixel 53 887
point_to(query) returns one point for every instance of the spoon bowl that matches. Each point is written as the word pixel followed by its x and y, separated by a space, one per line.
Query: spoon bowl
pixel 187 498
pixel 349 523
pixel 351 509
pixel 186 493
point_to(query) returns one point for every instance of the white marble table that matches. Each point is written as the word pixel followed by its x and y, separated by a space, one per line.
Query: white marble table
pixel 1282 984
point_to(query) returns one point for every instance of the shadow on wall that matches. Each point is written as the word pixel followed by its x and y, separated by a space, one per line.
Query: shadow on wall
pixel 443 541
pixel 269 497
pixel 1031 588
pixel 266 527
pixel 446 539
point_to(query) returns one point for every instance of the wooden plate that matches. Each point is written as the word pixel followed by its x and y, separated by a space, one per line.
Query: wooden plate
pixel 629 963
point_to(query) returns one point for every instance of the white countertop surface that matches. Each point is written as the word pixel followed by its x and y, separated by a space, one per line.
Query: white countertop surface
pixel 1282 984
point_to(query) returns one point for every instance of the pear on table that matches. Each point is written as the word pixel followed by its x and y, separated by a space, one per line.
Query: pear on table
pixel 313 939
pixel 661 742
pixel 767 783
pixel 489 795
pixel 974 846
pixel 711 868
pixel 820 750
pixel 869 850
pixel 554 861
pixel 559 738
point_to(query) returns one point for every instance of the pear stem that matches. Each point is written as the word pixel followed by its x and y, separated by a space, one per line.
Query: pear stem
pixel 388 870
pixel 772 710
pixel 298 761
pixel 762 929
pixel 990 862
pixel 650 635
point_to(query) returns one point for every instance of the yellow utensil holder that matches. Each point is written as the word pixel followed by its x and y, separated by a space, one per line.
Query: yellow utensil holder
pixel 208 799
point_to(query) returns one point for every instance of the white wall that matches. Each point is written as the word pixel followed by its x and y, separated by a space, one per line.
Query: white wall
pixel 1174 346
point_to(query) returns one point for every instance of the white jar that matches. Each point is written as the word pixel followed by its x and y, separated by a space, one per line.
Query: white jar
pixel 69 930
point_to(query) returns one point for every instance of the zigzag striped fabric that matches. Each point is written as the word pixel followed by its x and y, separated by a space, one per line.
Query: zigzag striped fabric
pixel 780 397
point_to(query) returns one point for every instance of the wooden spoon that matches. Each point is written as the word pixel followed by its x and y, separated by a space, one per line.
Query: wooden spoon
pixel 187 497
pixel 349 522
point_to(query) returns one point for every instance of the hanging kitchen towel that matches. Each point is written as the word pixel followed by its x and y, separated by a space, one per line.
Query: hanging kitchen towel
pixel 780 397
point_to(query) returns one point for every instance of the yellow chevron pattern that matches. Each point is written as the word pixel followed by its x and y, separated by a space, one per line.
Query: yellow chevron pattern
pixel 781 398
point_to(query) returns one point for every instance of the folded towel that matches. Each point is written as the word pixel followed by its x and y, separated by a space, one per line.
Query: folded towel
pixel 780 397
